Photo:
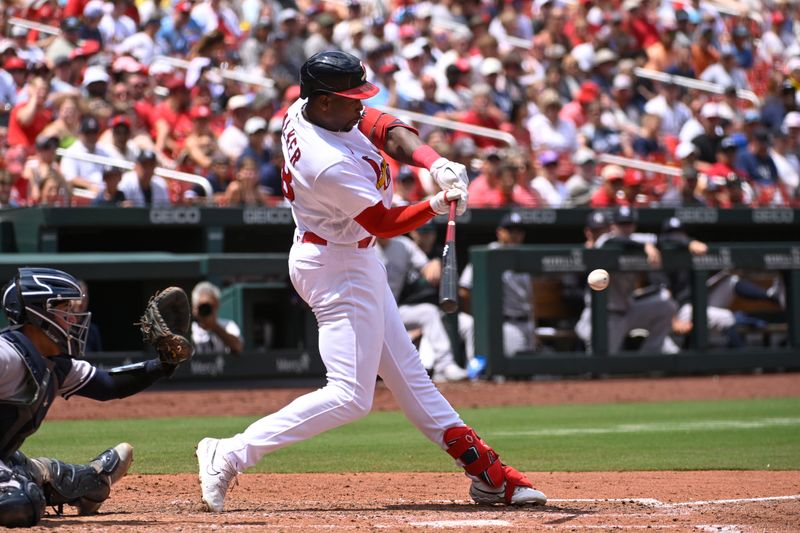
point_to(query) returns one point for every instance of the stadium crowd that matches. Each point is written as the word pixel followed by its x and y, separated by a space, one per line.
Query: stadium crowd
pixel 200 86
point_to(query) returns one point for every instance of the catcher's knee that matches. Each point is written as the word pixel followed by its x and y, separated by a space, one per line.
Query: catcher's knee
pixel 476 457
pixel 22 502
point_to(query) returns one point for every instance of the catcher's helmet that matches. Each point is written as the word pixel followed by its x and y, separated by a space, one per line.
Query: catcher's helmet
pixel 48 298
pixel 335 72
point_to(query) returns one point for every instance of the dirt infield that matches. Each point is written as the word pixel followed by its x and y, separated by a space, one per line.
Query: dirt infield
pixel 725 501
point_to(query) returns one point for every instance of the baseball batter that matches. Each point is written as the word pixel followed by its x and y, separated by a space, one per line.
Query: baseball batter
pixel 41 357
pixel 340 190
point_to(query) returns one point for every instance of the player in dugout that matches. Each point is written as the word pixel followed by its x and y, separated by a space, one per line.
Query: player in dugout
pixel 40 357
pixel 340 190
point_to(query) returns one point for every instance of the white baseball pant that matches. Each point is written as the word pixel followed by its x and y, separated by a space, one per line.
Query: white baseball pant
pixel 361 336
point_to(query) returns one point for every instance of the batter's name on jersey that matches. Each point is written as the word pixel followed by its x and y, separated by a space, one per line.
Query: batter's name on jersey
pixel 290 141
pixel 383 177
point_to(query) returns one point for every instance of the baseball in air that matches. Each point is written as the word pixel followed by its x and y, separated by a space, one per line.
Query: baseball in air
pixel 598 279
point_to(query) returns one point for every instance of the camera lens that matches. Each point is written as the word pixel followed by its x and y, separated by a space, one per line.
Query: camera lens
pixel 204 309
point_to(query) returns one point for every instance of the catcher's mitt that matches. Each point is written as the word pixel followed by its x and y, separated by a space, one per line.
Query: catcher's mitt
pixel 166 324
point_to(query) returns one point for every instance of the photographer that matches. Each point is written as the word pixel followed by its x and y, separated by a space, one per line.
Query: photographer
pixel 210 333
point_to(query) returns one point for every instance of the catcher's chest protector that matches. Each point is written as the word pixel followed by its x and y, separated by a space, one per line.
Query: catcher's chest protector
pixel 20 419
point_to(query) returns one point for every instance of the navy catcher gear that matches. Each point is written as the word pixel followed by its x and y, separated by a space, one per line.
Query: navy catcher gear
pixel 48 298
pixel 335 72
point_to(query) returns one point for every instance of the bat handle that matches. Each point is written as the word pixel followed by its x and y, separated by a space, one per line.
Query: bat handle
pixel 451 222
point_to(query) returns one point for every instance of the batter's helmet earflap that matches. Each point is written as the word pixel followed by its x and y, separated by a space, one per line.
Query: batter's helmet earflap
pixel 335 72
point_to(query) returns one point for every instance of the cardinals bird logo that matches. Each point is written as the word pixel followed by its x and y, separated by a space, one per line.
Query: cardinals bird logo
pixel 383 177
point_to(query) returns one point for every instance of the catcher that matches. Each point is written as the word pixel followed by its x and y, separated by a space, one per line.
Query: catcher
pixel 41 356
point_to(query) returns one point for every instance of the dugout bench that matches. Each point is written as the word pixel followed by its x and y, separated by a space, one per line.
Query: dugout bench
pixel 489 264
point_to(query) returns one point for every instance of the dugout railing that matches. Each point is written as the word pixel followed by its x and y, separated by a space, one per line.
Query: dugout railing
pixel 489 264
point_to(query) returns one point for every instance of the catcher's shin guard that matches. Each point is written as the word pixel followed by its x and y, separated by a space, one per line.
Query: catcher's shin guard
pixel 21 500
pixel 492 481
pixel 85 486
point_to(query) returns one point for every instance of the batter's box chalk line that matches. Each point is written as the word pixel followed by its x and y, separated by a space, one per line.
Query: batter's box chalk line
pixel 658 504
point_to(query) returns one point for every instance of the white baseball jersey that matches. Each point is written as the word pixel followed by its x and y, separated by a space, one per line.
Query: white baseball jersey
pixel 330 177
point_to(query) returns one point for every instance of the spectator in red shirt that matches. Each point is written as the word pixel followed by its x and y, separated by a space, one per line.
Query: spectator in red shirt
pixel 171 118
pixel 611 192
pixel 27 120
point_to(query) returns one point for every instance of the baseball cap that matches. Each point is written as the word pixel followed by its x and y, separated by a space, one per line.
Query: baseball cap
pixel 622 81
pixel 791 120
pixel 709 110
pixel 93 9
pixel 18 31
pixel 95 74
pixel 491 65
pixel 46 141
pixel 254 125
pixel 624 215
pixel 547 98
pixel 672 224
pixel 183 7
pixel 335 72
pixel 728 143
pixel 200 111
pixel 70 24
pixel 89 124
pixel 604 55
pixel 238 101
pixel 410 51
pixel 583 155
pixel 14 63
pixel 110 170
pixel 762 135
pixel 510 220
pixel 287 14
pixel 597 220
pixel 612 172
pixel 146 156
pixel 548 157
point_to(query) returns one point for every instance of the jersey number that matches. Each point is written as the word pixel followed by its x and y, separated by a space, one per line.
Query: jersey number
pixel 286 182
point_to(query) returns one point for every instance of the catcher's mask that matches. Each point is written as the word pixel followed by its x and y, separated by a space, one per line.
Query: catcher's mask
pixel 49 299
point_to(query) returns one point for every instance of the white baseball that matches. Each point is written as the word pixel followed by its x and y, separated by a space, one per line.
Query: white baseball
pixel 598 279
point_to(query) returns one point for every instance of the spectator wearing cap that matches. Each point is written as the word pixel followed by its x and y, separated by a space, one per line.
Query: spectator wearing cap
pixel 93 12
pixel 724 166
pixel 408 79
pixel 142 44
pixel 66 42
pixel 80 173
pixel 548 130
pixel 29 118
pixel 491 70
pixel 268 173
pixel 576 110
pixel 518 319
pixel 115 25
pixel 118 141
pixel 743 49
pixel 42 165
pixel 290 25
pixel 707 142
pixel 597 223
pixel 581 184
pixel 233 139
pixel 686 194
pixel 756 162
pixel 201 143
pixel 669 108
pixel 141 187
pixel 781 100
pixel 62 81
pixel 726 72
pixel 604 68
pixel 629 307
pixel 110 195
pixel 30 53
pixel 547 184
pixel 321 34
pixel 611 192
pixel 172 120
pixel 95 85
pixel 15 75
pixel 178 31
pixel 456 92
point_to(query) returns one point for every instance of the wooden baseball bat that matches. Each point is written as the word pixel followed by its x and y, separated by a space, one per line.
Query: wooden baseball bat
pixel 448 287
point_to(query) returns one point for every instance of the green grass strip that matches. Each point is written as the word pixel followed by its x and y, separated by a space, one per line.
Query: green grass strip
pixel 732 434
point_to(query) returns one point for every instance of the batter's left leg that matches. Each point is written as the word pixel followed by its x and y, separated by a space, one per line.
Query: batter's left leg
pixel 423 404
